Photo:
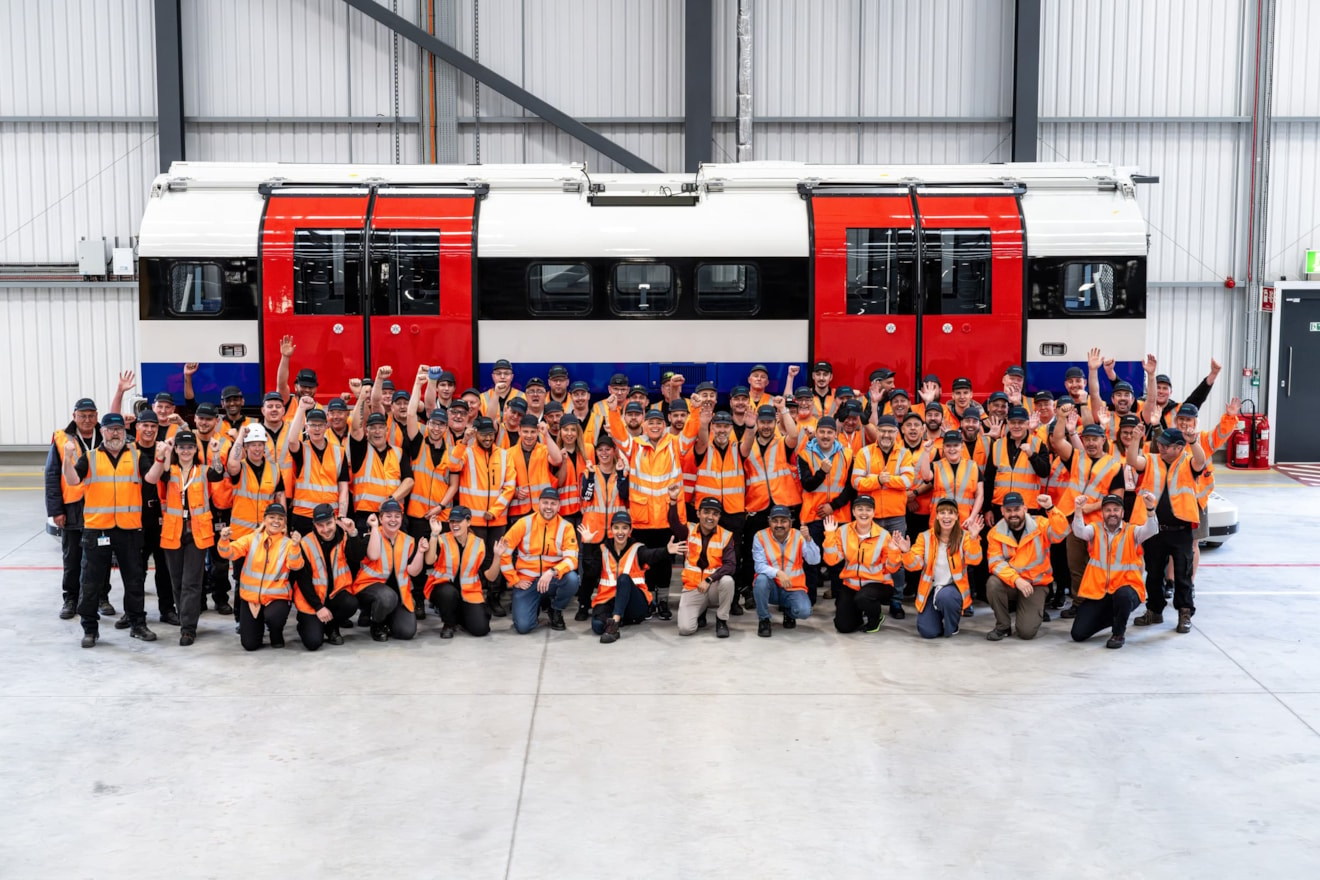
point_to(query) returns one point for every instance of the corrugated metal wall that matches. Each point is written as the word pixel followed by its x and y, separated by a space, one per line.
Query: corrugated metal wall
pixel 1294 208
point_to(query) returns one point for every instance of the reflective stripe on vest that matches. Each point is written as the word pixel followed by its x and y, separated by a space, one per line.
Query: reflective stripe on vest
pixel 694 574
pixel 254 496
pixel 1015 476
pixel 786 558
pixel 113 498
pixel 430 480
pixel 1114 561
pixel 376 480
pixel 271 582
pixel 317 482
pixel 321 581
pixel 863 558
pixel 720 476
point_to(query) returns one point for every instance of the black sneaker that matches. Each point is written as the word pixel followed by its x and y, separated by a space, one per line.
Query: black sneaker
pixel 123 622
pixel 226 609
pixel 170 617
pixel 736 607
pixel 105 609
pixel 186 638
pixel 896 611
pixel 1115 642
pixel 789 621
pixel 997 635
pixel 701 620
pixel 582 613
pixel 141 632
pixel 89 640
pixel 419 611
pixel 662 610
pixel 557 619
pixel 748 602
pixel 380 633
pixel 611 634
pixel 333 637
pixel 967 612
pixel 364 620
pixel 763 627
pixel 67 610
pixel 347 624
pixel 446 632
pixel 276 641
pixel 1044 616
pixel 721 629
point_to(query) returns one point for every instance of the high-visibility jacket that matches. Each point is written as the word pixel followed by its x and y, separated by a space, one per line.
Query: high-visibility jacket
pixel 1056 484
pixel 872 559
pixel 570 487
pixel 430 470
pixel 688 464
pixel 979 450
pixel 1016 475
pixel 252 496
pixel 375 481
pixel 602 497
pixel 693 574
pixel 957 483
pixel 1113 561
pixel 1027 557
pixel 823 407
pixel 533 475
pixel 1178 479
pixel 852 442
pixel 652 469
pixel 267 561
pixel 486 481
pixel 598 420
pixel 720 476
pixel 395 431
pixel 460 566
pixel 541 545
pixel 921 557
pixel 317 481
pixel 70 494
pixel 787 558
pixel 610 569
pixel 1211 441
pixel 921 501
pixel 113 495
pixel 222 491
pixel 328 576
pixel 491 402
pixel 1089 477
pixel 834 484
pixel 889 492
pixel 771 477
pixel 197 503
pixel 395 554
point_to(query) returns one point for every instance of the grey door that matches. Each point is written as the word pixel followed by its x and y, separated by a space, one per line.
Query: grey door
pixel 1298 369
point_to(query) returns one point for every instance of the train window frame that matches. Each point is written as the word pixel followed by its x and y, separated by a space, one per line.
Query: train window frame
pixel 1045 276
pixel 674 292
pixel 585 301
pixel 353 293
pixel 385 258
pixel 932 283
pixel 751 289
pixel 1114 291
pixel 906 302
pixel 191 266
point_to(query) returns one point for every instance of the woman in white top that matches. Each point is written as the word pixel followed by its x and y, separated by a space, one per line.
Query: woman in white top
pixel 943 555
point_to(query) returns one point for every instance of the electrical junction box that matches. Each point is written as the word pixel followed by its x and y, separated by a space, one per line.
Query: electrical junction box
pixel 93 256
pixel 121 261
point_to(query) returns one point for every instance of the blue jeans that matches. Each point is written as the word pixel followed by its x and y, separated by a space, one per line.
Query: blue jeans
pixel 942 614
pixel 896 525
pixel 629 603
pixel 526 604
pixel 795 603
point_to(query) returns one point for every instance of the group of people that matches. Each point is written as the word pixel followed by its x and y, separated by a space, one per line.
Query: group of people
pixel 368 507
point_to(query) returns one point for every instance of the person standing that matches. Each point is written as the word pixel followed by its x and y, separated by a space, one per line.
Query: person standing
pixel 825 473
pixel 604 493
pixel 64 503
pixel 1172 476
pixel 1112 583
pixel 885 471
pixel 268 556
pixel 186 531
pixel 1020 564
pixel 486 483
pixel 147 431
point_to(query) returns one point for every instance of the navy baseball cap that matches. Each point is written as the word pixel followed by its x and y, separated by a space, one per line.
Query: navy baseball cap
pixel 459 512
pixel 376 419
pixel 553 406
pixel 1111 498
pixel 740 391
pixel 568 420
pixel 1171 437
pixel 706 386
pixel 638 389
pixel 634 407
pixel 822 367
pixel 620 517
pixel 962 383
pixel 272 395
pixel 1013 499
pixel 147 417
pixel 677 405
pixel 446 376
pixel 517 405
pixel 654 413
pixel 185 438
pixel 483 425
pixel 337 404
pixel 535 382
pixel 549 493
pixel 1163 379
pixel 323 513
pixel 277 509
pixel 1045 395
pixel 1189 410
pixel 231 391
pixel 529 421
pixel 913 416
pixel 1123 386
pixel 900 392
pixel 618 379
pixel 1018 413
pixel 863 500
pixel 722 418
pixel 1093 430
pixel 558 371
pixel 1016 371
pixel 886 422
pixel 779 511
pixel 973 412
pixel 315 415
pixel 305 378
pixel 85 404
pixel 710 504
pixel 934 407
pixel 765 412
pixel 1074 373
pixel 208 410
pixel 881 374
pixel 501 364
pixel 390 505
pixel 579 385
pixel 1129 421
pixel 165 397
pixel 997 395
pixel 399 395
pixel 952 437
pixel 439 414
pixel 758 368
pixel 827 422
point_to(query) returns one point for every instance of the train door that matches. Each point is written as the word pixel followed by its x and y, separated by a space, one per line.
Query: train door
pixel 864 249
pixel 420 274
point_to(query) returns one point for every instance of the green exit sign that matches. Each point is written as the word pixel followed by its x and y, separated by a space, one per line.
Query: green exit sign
pixel 1315 326
pixel 1312 262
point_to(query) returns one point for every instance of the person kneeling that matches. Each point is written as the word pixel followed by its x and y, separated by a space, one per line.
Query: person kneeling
pixel 383 586
pixel 324 598
pixel 1114 583
pixel 778 554
pixel 869 557
pixel 1019 549
pixel 454 587
pixel 547 555
pixel 622 597
pixel 264 591
pixel 709 562
pixel 943 554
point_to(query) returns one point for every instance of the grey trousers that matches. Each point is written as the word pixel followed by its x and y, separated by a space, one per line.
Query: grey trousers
pixel 692 603
pixel 1029 608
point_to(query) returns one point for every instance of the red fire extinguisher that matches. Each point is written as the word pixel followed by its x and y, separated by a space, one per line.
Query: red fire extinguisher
pixel 1249 444
pixel 1260 441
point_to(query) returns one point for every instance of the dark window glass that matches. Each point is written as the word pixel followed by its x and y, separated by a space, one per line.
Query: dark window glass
pixel 196 288
pixel 728 289
pixel 882 271
pixel 644 289
pixel 956 271
pixel 1088 288
pixel 327 272
pixel 560 289
pixel 1078 287
pixel 405 272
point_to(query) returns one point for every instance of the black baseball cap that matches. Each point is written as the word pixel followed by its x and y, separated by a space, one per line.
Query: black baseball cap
pixel 85 404
pixel 706 386
pixel 779 511
pixel 1016 371
pixel 1016 413
pixel 900 392
pixel 678 404
pixel 277 509
pixel 934 407
pixel 1093 430
pixel 399 395
pixel 165 397
pixel 946 501
pixel 446 376
pixel 549 493
pixel 722 418
pixel 534 382
pixel 961 383
pixel 618 379
pixel 459 404
pixel 1129 421
pixel 822 367
pixel 605 440
pixel 803 393
pixel 1013 499
pixel 849 409
pixel 765 412
pixel 501 364
pixel 557 371
pixel 517 405
pixel 323 513
pixel 1043 395
pixel 579 385
pixel 1111 498
pixel 439 414
pixel 972 412
pixel 710 504
pixel 270 395
pixel 553 406
pixel 231 391
pixel 1163 379
pixel 185 438
pixel 376 419
pixel 305 378
pixel 997 395
pixel 1123 386
pixel 913 415
pixel 208 410
pixel 569 419
pixel 886 422
pixel 845 391
pixel 1074 373
pixel 952 437
pixel 147 417
pixel 459 512
pixel 620 517
pixel 1171 437
pixel 827 422
pixel 529 421
pixel 758 368
pixel 740 391
pixel 112 420
pixel 315 415
pixel 881 374
pixel 483 425
pixel 633 406
pixel 863 500
pixel 638 389
pixel 337 404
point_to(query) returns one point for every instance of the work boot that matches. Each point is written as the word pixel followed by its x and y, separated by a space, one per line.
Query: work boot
pixel 611 634
pixel 187 637
pixel 495 607
pixel 123 622
pixel 896 611
pixel 141 632
pixel 749 601
pixel 333 637
pixel 662 610
pixel 1149 618
pixel 380 632
pixel 763 627
pixel 557 620
pixel 276 641
pixel 736 607
pixel 582 613
pixel 1069 613
pixel 1115 642
pixel 721 629
pixel 67 610
pixel 89 639
pixel 170 617
pixel 446 632
pixel 997 635
pixel 701 620
pixel 225 608
pixel 105 609
pixel 1184 620
pixel 790 622
pixel 419 611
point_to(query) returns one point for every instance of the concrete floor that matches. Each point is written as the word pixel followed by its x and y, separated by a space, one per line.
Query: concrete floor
pixel 549 755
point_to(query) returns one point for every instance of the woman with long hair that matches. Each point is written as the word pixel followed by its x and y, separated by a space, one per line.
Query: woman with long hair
pixel 943 554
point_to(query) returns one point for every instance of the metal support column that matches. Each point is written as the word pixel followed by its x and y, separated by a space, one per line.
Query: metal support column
pixel 169 82
pixel 1262 125
pixel 1026 79
pixel 698 75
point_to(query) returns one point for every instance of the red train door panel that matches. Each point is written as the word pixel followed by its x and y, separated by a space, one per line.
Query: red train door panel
pixel 865 265
pixel 972 263
pixel 312 252
pixel 420 258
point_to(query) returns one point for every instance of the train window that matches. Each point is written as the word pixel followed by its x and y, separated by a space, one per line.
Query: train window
pixel 956 271
pixel 643 289
pixel 196 288
pixel 1088 288
pixel 559 289
pixel 327 272
pixel 882 271
pixel 405 272
pixel 727 289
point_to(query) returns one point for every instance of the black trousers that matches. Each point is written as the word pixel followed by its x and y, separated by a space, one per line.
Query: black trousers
pixel 1062 571
pixel 381 603
pixel 343 605
pixel 251 628
pixel 151 551
pixel 472 616
pixel 1159 549
pixel 1111 612
pixel 489 535
pixel 857 609
pixel 125 548
pixel 589 569
pixel 657 576
pixel 217 568
pixel 187 567
pixel 72 558
pixel 816 574
pixel 419 528
pixel 916 524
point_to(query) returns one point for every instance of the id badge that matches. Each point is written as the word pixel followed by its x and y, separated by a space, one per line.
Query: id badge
pixel 103 541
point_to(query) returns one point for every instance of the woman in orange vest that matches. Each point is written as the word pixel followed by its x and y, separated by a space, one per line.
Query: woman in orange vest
pixel 454 586
pixel 383 585
pixel 944 555
pixel 867 557
pixel 323 596
pixel 1114 583
pixel 622 598
pixel 264 590
pixel 186 527
pixel 604 487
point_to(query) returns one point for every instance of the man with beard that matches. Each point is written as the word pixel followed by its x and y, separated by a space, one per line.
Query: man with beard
pixel 1018 547
pixel 1112 585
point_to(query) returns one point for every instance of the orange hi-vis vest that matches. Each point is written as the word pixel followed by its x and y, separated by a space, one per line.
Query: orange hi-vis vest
pixel 394 556
pixel 823 408
pixel 70 494
pixel 318 480
pixel 113 495
pixel 978 450
pixel 652 469
pixel 922 558
pixel 460 566
pixel 610 570
pixel 326 579
pixel 957 483
pixel 532 474
pixel 890 492
pixel 430 470
pixel 376 481
pixel 693 574
pixel 197 504
pixel 1056 484
pixel 771 479
pixel 486 481
pixel 542 545
pixel 921 501
pixel 720 476
pixel 394 431
pixel 689 467
pixel 1089 477
pixel 833 486
pixel 493 407
pixel 865 560
pixel 1211 441
pixel 1113 561
pixel 787 558
pixel 1017 475
pixel 1027 557
pixel 267 561
pixel 604 502
pixel 252 496
pixel 222 491
pixel 570 488
pixel 1178 479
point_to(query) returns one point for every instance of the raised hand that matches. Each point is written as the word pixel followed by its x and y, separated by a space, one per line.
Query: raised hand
pixel 1150 363
pixel 674 490
pixel 793 370
pixel 422 372
pixel 1215 367
pixel 422 546
pixel 383 373
pixel 287 347
pixel 1108 364
pixel 1103 417
pixel 1235 407
pixel 929 392
pixel 1071 420
pixel 1094 359
pixel 296 537
pixel 469 435
pixel 586 534
pixel 373 522
pixel 995 428
pixel 436 526
pixel 778 403
pixel 355 387
pixel 190 369
pixel 501 547
pixel 973 526
pixel 902 542
pixel 806 534
pixel 306 402
pixel 675 545
pixel 1044 502
pixel 126 380
pixel 1150 499
pixel 225 533
pixel 831 525
pixel 349 527
pixel 70 450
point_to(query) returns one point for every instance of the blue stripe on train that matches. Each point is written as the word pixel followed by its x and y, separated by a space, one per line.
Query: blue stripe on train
pixel 1049 375
pixel 597 375
pixel 209 381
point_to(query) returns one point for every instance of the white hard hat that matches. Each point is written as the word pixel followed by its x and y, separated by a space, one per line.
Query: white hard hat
pixel 256 434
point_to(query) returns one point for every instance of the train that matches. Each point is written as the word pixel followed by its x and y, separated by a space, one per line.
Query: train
pixel 945 270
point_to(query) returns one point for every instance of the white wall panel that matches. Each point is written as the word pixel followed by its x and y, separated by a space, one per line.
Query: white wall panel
pixel 724 59
pixel 661 145
pixel 1186 327
pixel 805 58
pixel 818 142
pixel 94 332
pixel 322 142
pixel 1294 208
pixel 1296 72
pixel 936 143
pixel 492 32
